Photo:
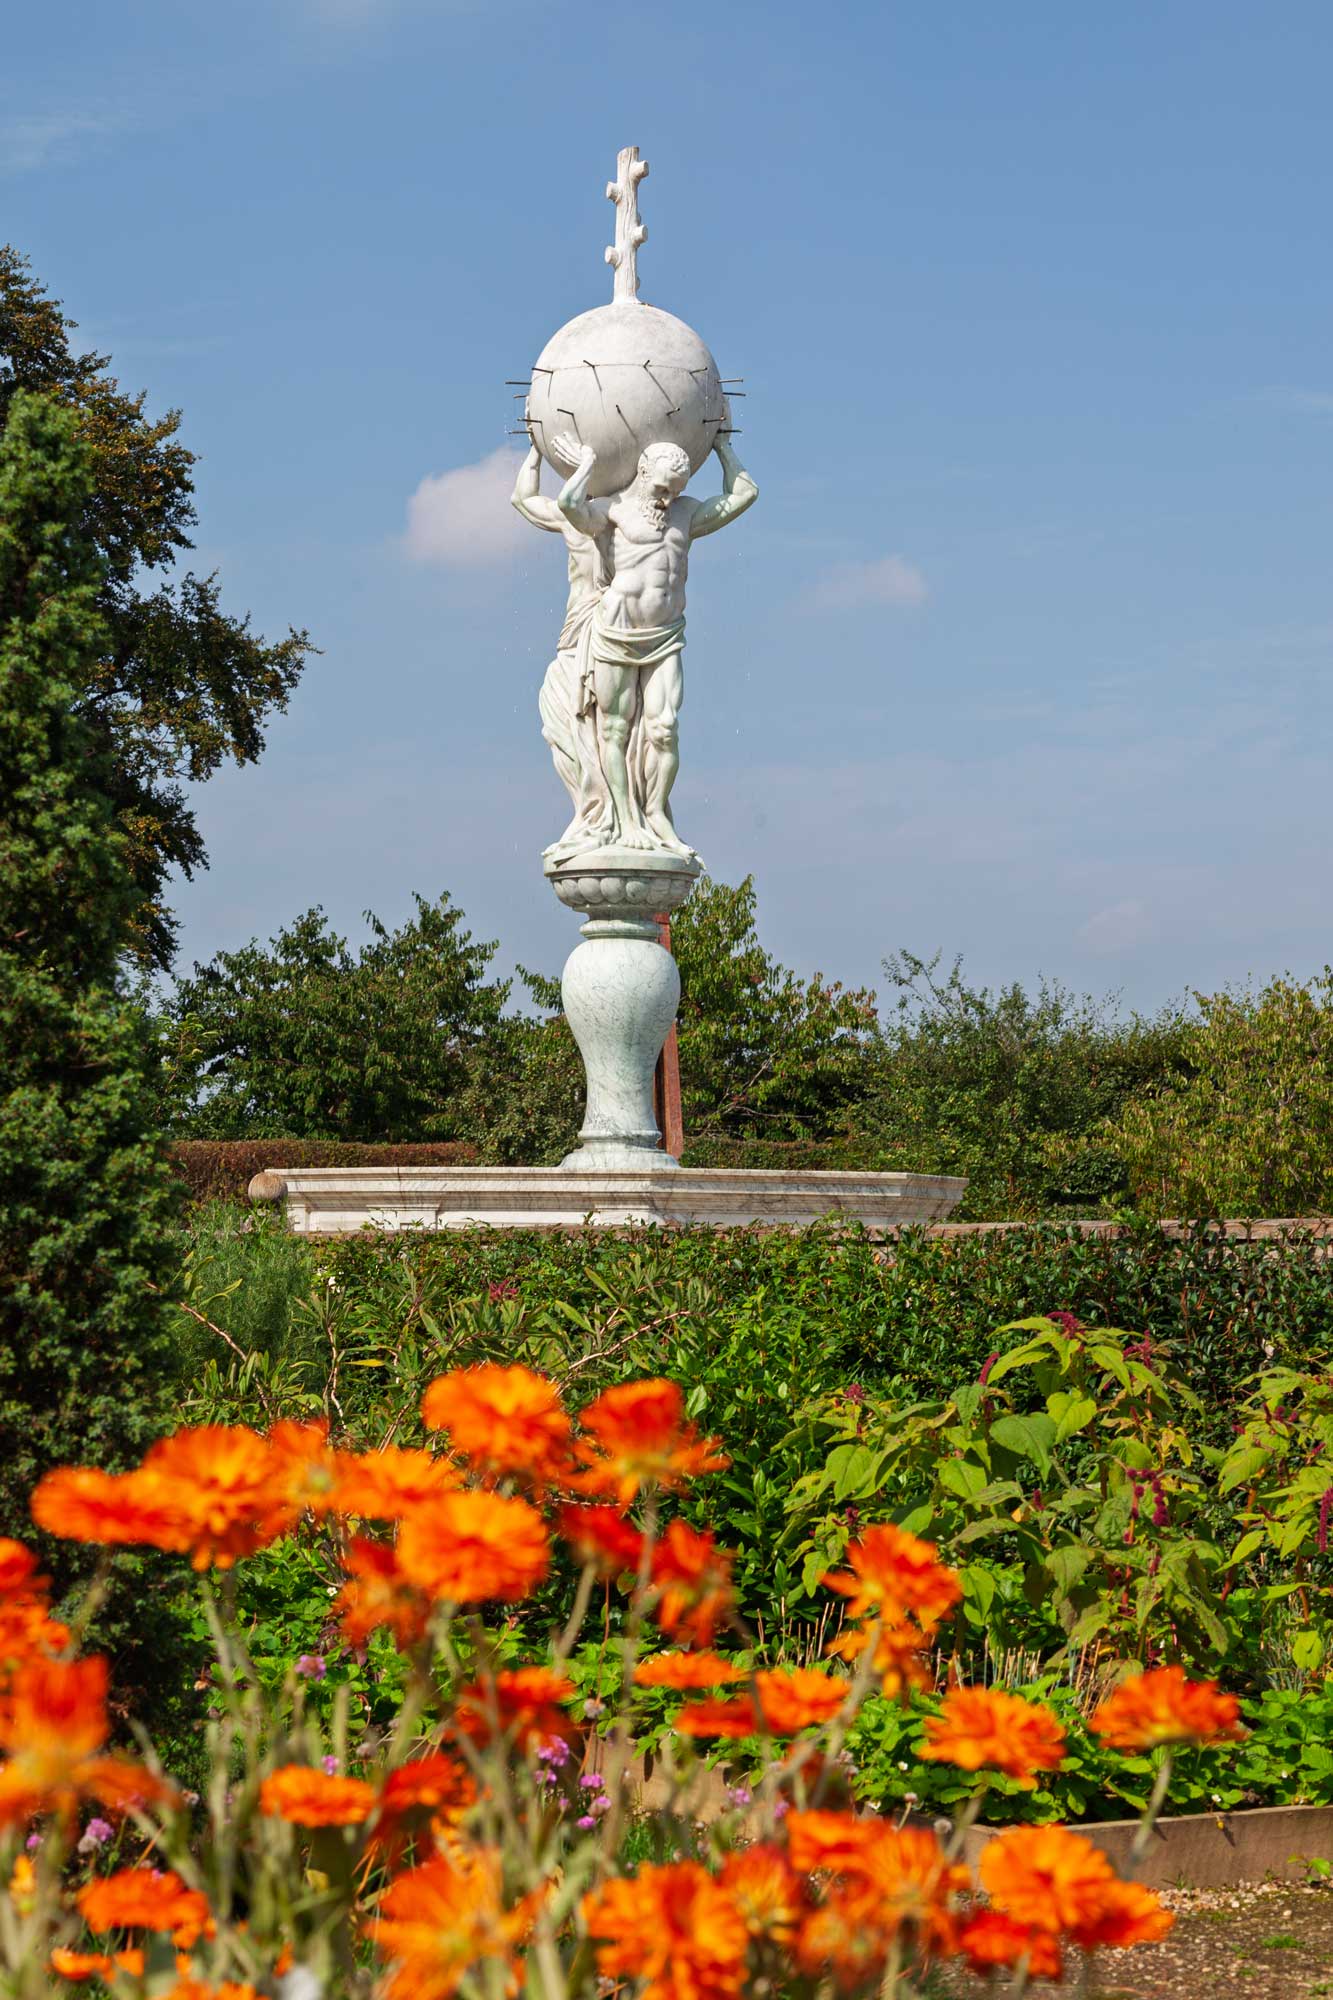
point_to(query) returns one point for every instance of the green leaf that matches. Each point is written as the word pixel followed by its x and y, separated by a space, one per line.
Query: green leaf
pixel 1307 1650
pixel 1030 1437
pixel 962 1477
pixel 1071 1410
pixel 1242 1465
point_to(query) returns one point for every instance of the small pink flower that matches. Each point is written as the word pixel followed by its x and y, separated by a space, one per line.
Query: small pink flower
pixel 95 1835
pixel 312 1667
pixel 329 1766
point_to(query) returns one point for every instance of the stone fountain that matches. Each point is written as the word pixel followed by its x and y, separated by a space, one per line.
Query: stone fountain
pixel 624 407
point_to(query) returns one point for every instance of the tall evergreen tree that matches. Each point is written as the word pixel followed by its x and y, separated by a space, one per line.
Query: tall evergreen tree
pixel 178 684
pixel 85 1199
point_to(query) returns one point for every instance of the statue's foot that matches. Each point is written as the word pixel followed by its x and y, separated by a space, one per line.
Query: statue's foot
pixel 665 835
pixel 637 839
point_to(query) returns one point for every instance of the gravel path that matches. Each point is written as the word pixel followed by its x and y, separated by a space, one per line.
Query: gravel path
pixel 1262 1941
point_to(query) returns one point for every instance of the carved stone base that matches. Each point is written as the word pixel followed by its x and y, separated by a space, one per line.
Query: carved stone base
pixel 338 1201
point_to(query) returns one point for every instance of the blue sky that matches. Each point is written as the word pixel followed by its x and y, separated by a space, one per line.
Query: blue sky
pixel 1026 650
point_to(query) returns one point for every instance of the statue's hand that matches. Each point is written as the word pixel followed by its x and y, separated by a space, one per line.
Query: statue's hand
pixel 567 448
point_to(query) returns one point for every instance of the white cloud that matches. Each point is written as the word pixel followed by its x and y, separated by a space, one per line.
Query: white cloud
pixel 463 518
pixel 1116 928
pixel 37 139
pixel 850 586
pixel 1304 402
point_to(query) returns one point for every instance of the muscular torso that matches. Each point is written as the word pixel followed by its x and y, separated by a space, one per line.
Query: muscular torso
pixel 650 565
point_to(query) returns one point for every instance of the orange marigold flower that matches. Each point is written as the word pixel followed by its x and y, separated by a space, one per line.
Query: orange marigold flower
pixel 693 1579
pixel 687 1670
pixel 789 1701
pixel 833 1937
pixel 890 1881
pixel 52 1723
pixel 1128 1914
pixel 377 1593
pixel 79 1965
pixel 143 1899
pixel 991 1939
pixel 18 1570
pixel 306 1797
pixel 673 1927
pixel 226 1487
pixel 894 1575
pixel 80 1504
pixel 502 1419
pixel 383 1485
pixel 443 1917
pixel 980 1728
pixel 27 1631
pixel 1046 1876
pixel 602 1535
pixel 1161 1706
pixel 434 1781
pixel 302 1469
pixel 767 1891
pixel 523 1701
pixel 899 1664
pixel 637 1435
pixel 792 1699
pixel 736 1716
pixel 832 1843
pixel 471 1548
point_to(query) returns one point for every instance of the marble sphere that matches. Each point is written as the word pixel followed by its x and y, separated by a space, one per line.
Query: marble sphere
pixel 619 378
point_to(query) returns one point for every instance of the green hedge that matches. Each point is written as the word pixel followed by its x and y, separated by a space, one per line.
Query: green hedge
pixel 924 1306
pixel 222 1169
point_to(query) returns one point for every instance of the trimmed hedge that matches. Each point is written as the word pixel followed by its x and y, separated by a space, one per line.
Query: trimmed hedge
pixel 222 1169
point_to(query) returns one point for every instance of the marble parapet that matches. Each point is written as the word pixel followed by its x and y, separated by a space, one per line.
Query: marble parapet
pixel 339 1201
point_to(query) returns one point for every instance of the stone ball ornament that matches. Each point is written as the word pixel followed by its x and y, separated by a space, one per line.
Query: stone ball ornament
pixel 619 378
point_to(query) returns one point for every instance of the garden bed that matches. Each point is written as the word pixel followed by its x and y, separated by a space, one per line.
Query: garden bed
pixel 1210 1850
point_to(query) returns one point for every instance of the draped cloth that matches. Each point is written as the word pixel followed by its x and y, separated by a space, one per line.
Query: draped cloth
pixel 571 723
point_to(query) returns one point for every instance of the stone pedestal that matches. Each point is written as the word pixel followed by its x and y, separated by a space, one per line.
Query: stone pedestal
pixel 620 990
pixel 338 1201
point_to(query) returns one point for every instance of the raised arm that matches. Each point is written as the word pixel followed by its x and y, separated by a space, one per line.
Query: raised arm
pixel 588 516
pixel 529 501
pixel 738 492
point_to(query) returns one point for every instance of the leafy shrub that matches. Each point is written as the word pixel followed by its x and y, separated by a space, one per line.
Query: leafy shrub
pixel 1247 1129
pixel 1285 1759
pixel 1069 1462
pixel 305 1039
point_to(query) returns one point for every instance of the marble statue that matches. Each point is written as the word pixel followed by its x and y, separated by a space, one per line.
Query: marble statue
pixel 625 405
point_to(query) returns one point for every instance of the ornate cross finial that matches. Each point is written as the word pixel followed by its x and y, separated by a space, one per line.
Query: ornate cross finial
pixel 630 232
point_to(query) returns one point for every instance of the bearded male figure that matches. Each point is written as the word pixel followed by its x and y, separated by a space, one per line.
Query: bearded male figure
pixel 566 700
pixel 635 638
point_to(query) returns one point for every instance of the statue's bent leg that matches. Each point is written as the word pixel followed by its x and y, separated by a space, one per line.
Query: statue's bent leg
pixel 663 694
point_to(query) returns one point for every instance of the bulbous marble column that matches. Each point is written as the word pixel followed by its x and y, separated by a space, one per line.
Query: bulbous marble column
pixel 621 990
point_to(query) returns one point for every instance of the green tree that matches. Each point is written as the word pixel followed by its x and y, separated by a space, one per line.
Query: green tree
pixel 85 1199
pixel 304 1039
pixel 1247 1128
pixel 178 684
pixel 763 1053
pixel 1011 1089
